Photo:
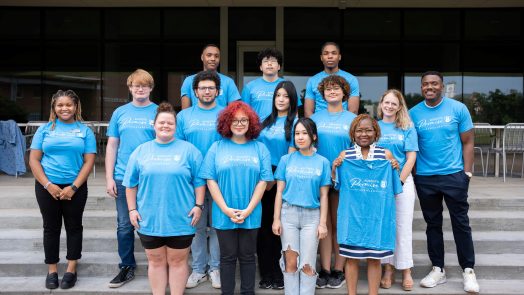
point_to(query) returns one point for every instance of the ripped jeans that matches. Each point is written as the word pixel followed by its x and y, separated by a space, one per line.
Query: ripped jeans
pixel 299 234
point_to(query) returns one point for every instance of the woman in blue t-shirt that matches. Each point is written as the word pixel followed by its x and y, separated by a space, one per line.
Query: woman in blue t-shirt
pixel 165 199
pixel 301 205
pixel 276 135
pixel 62 155
pixel 400 137
pixel 237 169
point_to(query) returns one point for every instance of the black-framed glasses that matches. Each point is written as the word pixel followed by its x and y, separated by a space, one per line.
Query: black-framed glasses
pixel 208 88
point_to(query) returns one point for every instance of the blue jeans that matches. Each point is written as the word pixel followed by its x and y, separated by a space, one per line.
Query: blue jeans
pixel 199 247
pixel 125 231
pixel 299 234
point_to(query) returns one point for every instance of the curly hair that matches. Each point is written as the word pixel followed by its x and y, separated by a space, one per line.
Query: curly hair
pixel 357 121
pixel 206 76
pixel 332 80
pixel 269 52
pixel 227 115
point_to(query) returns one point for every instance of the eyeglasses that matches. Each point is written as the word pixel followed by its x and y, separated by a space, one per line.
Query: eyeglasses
pixel 271 60
pixel 366 131
pixel 136 87
pixel 243 122
pixel 204 89
pixel 335 88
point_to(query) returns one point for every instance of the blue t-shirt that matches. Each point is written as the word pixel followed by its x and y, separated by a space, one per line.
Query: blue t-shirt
pixel 259 95
pixel 166 175
pixel 63 149
pixel 274 138
pixel 198 126
pixel 304 175
pixel 366 208
pixel 132 125
pixel 228 90
pixel 333 132
pixel 438 130
pixel 313 93
pixel 398 141
pixel 237 168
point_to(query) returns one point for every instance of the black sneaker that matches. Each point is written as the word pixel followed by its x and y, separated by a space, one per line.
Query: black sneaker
pixel 322 280
pixel 68 280
pixel 126 274
pixel 265 283
pixel 336 279
pixel 51 281
pixel 278 284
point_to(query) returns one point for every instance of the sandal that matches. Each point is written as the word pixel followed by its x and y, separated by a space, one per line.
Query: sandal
pixel 407 280
pixel 388 278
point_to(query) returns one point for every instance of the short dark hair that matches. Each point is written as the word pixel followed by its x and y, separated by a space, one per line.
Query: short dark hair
pixel 329 43
pixel 209 45
pixel 311 129
pixel 432 73
pixel 269 52
pixel 206 76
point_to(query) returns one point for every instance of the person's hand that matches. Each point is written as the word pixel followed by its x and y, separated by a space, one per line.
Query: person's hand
pixel 134 217
pixel 243 214
pixel 277 227
pixel 67 193
pixel 338 161
pixel 196 212
pixel 322 231
pixel 54 190
pixel 394 164
pixel 234 215
pixel 111 188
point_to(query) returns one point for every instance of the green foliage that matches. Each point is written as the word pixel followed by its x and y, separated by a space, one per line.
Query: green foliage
pixel 9 110
pixel 496 107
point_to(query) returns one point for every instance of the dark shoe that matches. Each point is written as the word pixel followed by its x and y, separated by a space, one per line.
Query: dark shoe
pixel 278 284
pixel 336 280
pixel 68 280
pixel 51 281
pixel 265 283
pixel 126 274
pixel 322 280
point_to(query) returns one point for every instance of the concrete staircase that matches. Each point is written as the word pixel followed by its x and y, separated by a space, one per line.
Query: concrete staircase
pixel 497 218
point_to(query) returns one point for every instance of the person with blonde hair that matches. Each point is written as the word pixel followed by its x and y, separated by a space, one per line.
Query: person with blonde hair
pixel 400 137
pixel 62 155
pixel 130 126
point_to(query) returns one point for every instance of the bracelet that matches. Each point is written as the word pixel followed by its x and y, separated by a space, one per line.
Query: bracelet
pixel 132 210
pixel 47 184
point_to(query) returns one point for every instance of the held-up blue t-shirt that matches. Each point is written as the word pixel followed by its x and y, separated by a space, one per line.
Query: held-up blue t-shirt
pixel 274 138
pixel 438 130
pixel 366 208
pixel 304 175
pixel 259 95
pixel 237 168
pixel 166 175
pixel 398 141
pixel 132 125
pixel 63 149
pixel 313 93
pixel 228 90
pixel 198 126
pixel 333 132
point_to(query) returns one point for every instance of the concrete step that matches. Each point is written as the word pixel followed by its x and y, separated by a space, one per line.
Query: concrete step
pixel 14 264
pixel 98 240
pixel 140 286
pixel 480 220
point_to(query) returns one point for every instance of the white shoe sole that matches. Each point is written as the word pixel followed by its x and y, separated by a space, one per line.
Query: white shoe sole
pixel 443 281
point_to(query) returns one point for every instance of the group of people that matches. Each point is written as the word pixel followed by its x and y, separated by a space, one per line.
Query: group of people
pixel 235 177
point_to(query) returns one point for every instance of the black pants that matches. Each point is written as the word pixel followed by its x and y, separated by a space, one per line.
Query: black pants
pixel 237 244
pixel 268 244
pixel 52 213
pixel 453 188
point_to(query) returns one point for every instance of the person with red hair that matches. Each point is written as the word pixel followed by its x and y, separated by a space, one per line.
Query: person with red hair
pixel 237 169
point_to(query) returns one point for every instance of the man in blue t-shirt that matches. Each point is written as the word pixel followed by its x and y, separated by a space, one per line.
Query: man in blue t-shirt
pixel 330 57
pixel 130 126
pixel 197 125
pixel 210 60
pixel 443 171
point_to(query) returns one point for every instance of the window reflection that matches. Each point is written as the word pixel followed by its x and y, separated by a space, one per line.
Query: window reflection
pixel 20 95
pixel 452 87
pixel 371 88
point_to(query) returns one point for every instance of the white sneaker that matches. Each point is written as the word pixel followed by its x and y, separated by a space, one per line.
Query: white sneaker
pixel 437 276
pixel 470 281
pixel 214 277
pixel 195 278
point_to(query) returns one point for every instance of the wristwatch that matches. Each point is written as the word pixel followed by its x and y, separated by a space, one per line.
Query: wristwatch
pixel 200 206
pixel 74 187
pixel 469 174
